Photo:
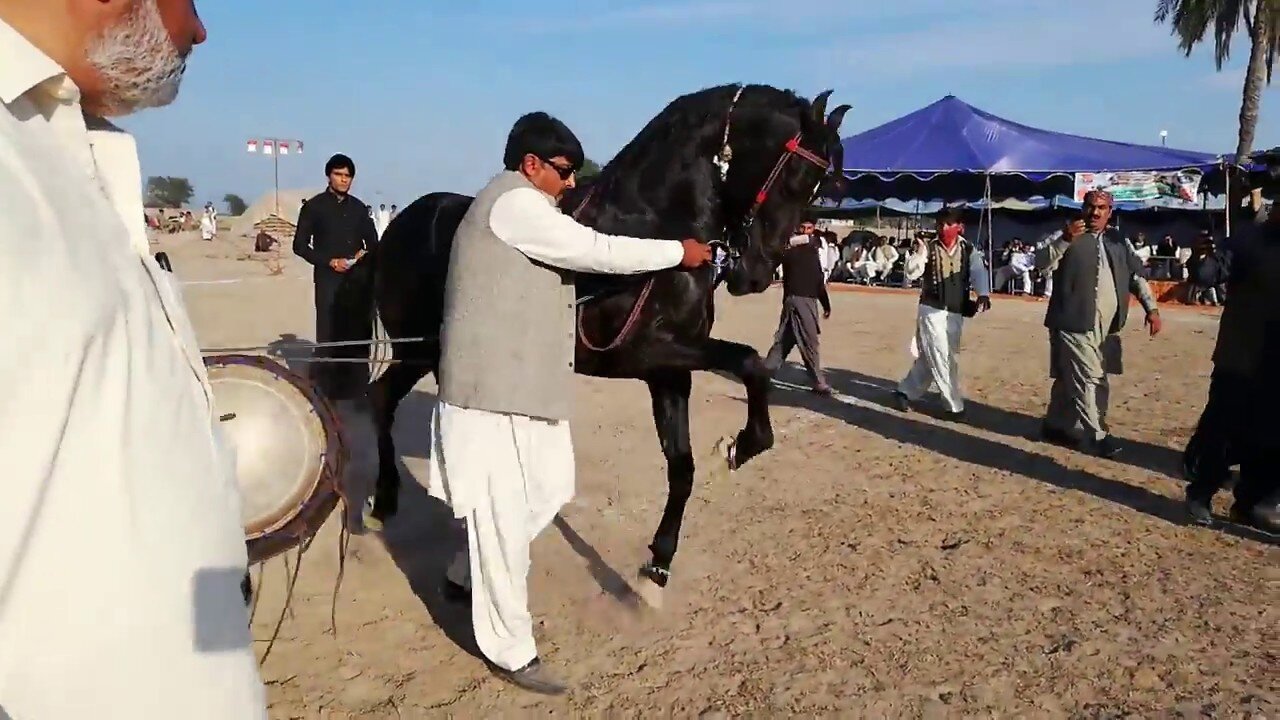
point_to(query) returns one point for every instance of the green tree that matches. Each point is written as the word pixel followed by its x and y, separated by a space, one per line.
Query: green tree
pixel 589 169
pixel 1192 20
pixel 168 192
pixel 235 204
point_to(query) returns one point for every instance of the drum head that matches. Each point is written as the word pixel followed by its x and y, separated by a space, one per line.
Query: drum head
pixel 278 438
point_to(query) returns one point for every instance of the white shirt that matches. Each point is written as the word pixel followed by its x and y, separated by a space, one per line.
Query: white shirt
pixel 524 219
pixel 121 545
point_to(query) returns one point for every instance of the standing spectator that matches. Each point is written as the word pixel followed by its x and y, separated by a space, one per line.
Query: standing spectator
pixel 1094 271
pixel 335 231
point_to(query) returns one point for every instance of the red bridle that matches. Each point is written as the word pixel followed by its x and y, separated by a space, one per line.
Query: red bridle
pixel 792 147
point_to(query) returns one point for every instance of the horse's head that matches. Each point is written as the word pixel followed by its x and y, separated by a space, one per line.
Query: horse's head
pixel 781 150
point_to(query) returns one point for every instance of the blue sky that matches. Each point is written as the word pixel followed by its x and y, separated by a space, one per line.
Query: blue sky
pixel 421 93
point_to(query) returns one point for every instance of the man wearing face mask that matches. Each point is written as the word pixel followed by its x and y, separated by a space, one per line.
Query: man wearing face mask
pixel 953 269
pixel 121 546
pixel 502 457
pixel 1094 271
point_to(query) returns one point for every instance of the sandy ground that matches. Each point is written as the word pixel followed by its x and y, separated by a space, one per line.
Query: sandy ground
pixel 873 564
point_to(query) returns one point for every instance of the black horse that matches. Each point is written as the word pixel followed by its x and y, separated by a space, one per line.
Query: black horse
pixel 734 165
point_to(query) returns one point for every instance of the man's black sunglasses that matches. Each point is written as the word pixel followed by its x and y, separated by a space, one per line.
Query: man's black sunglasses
pixel 564 171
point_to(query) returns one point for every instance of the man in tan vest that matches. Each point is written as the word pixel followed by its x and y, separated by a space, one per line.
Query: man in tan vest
pixel 502 457
pixel 953 269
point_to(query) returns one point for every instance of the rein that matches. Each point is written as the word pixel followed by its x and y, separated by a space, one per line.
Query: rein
pixel 635 309
pixel 790 148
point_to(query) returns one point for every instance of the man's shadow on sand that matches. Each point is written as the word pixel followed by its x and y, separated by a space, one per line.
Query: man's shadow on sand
pixel 869 406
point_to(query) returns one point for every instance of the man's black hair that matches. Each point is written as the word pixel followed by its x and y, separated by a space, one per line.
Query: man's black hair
pixel 949 215
pixel 539 134
pixel 339 162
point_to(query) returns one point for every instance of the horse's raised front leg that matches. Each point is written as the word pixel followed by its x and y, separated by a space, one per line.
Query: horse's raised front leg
pixel 744 362
pixel 385 395
pixel 669 391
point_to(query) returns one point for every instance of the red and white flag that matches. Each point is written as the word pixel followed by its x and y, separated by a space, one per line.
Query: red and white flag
pixel 251 146
pixel 284 147
pixel 268 147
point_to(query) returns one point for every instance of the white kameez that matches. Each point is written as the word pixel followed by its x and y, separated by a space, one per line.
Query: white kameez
pixel 936 344
pixel 508 475
pixel 121 545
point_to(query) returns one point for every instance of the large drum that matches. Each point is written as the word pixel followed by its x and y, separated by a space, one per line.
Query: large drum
pixel 289 450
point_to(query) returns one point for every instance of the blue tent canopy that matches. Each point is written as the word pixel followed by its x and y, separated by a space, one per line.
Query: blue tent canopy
pixel 950 149
pixel 952 136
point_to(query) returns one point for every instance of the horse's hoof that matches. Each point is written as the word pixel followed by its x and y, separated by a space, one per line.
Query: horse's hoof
pixel 722 459
pixel 649 591
pixel 370 517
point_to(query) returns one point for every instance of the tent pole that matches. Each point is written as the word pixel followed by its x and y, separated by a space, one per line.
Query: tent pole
pixel 991 250
pixel 1228 203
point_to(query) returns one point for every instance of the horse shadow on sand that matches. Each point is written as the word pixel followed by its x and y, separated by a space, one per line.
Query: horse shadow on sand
pixel 869 405
pixel 424 536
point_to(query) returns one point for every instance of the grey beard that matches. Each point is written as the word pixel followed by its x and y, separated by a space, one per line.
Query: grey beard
pixel 137 62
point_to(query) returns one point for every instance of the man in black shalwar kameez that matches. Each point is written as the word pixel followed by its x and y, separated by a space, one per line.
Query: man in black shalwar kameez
pixel 334 234
pixel 1240 422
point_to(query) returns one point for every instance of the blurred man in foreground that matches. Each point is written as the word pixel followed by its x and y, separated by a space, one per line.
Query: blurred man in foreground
pixel 121 547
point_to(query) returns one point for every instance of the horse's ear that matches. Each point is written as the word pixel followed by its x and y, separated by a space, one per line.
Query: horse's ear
pixel 819 106
pixel 836 117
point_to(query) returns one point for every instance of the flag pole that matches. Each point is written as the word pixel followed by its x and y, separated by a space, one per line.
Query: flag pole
pixel 274 147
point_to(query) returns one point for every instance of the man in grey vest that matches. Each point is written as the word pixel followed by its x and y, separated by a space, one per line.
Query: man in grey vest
pixel 501 453
pixel 1094 271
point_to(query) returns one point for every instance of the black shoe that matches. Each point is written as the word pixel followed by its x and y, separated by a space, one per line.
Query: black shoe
pixel 1263 516
pixel 954 415
pixel 455 593
pixel 901 401
pixel 1106 447
pixel 1198 510
pixel 533 677
pixel 1055 436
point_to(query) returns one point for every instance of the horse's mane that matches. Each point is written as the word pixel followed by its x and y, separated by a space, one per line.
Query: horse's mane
pixel 706 109
pixel 692 122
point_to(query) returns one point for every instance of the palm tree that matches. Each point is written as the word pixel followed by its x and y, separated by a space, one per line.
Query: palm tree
pixel 1191 21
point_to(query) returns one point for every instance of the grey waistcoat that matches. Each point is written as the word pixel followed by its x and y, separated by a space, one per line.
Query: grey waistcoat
pixel 508 336
pixel 1074 307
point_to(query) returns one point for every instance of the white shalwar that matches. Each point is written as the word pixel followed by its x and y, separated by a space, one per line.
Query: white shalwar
pixel 208 226
pixel 121 543
pixel 936 345
pixel 508 475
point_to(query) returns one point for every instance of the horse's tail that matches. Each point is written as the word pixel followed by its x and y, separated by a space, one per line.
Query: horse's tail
pixel 410 266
